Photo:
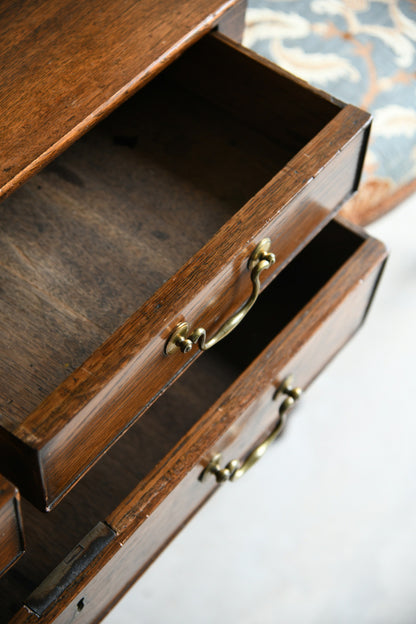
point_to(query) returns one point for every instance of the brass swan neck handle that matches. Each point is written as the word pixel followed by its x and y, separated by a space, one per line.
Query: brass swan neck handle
pixel 183 339
pixel 235 469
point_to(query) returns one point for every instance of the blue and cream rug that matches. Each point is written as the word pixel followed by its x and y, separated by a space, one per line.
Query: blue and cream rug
pixel 364 53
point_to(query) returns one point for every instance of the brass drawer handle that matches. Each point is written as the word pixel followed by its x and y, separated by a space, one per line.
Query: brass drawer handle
pixel 182 339
pixel 235 469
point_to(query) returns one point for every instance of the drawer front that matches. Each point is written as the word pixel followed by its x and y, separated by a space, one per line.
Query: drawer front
pixel 56 443
pixel 11 530
pixel 234 427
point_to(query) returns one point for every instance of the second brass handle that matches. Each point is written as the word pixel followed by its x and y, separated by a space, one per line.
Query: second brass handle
pixel 183 339
pixel 235 469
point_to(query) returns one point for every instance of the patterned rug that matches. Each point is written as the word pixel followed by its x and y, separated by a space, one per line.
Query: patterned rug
pixel 364 53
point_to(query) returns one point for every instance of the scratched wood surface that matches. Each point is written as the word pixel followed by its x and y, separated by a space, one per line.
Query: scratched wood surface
pixel 147 485
pixel 66 64
pixel 86 243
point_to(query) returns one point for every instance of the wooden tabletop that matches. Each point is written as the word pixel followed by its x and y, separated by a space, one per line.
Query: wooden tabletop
pixel 57 83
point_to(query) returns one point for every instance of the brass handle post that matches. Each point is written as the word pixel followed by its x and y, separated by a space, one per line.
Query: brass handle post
pixel 183 339
pixel 235 469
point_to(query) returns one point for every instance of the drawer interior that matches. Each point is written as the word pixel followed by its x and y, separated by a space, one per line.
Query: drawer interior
pixel 88 240
pixel 50 537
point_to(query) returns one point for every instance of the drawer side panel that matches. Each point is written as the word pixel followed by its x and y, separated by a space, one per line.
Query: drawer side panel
pixel 11 530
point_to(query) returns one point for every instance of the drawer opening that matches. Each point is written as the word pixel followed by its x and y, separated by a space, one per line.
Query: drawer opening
pixel 50 537
pixel 88 240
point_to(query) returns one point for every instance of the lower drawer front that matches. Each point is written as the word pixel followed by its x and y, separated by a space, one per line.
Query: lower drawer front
pixel 224 404
pixel 11 534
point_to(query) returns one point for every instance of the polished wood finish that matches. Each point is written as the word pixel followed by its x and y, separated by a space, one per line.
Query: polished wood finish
pixel 109 229
pixel 66 64
pixel 151 476
pixel 11 529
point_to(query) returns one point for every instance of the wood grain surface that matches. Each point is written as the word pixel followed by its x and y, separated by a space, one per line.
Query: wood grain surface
pixel 306 315
pixel 66 64
pixel 11 528
pixel 87 243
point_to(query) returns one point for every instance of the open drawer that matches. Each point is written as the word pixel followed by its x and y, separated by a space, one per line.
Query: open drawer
pixel 11 530
pixel 135 499
pixel 148 221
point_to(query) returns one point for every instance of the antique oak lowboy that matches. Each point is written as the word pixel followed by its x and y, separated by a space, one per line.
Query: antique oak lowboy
pixel 177 175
